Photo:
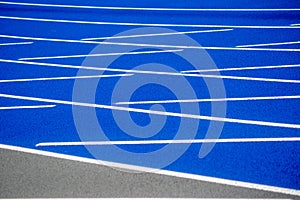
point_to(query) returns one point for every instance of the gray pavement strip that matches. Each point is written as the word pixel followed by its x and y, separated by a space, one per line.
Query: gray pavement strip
pixel 25 175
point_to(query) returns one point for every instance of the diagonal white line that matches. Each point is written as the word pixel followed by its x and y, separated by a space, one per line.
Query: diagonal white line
pixel 241 68
pixel 155 171
pixel 158 34
pixel 187 141
pixel 153 9
pixel 200 47
pixel 26 107
pixel 153 72
pixel 149 45
pixel 145 24
pixel 62 78
pixel 246 78
pixel 269 44
pixel 208 100
pixel 50 39
pixel 102 54
pixel 182 115
pixel 15 43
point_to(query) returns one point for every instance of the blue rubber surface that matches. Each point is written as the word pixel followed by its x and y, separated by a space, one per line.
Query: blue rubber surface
pixel 268 163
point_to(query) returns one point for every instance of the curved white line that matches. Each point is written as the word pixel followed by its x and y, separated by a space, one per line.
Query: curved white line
pixel 246 78
pixel 208 100
pixel 157 34
pixel 15 43
pixel 269 44
pixel 26 107
pixel 149 45
pixel 153 72
pixel 144 24
pixel 62 78
pixel 172 114
pixel 188 141
pixel 153 9
pixel 102 54
pixel 241 68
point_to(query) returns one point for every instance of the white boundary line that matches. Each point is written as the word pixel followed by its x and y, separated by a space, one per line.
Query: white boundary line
pixel 157 34
pixel 246 78
pixel 137 110
pixel 63 78
pixel 269 44
pixel 144 24
pixel 208 100
pixel 153 72
pixel 15 43
pixel 154 9
pixel 156 171
pixel 149 45
pixel 50 39
pixel 26 107
pixel 241 68
pixel 103 54
pixel 188 141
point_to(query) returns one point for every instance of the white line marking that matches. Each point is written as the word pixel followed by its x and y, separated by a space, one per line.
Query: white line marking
pixel 248 78
pixel 154 9
pixel 191 116
pixel 156 171
pixel 269 44
pixel 148 45
pixel 241 68
pixel 157 34
pixel 63 78
pixel 26 107
pixel 199 47
pixel 153 72
pixel 144 24
pixel 15 43
pixel 103 54
pixel 295 24
pixel 188 141
pixel 208 100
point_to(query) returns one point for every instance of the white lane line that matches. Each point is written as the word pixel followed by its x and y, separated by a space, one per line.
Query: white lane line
pixel 26 107
pixel 15 43
pixel 269 44
pixel 295 24
pixel 246 78
pixel 102 54
pixel 49 39
pixel 148 45
pixel 153 72
pixel 153 9
pixel 200 47
pixel 208 100
pixel 188 141
pixel 172 114
pixel 145 24
pixel 157 34
pixel 241 68
pixel 63 78
pixel 155 171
